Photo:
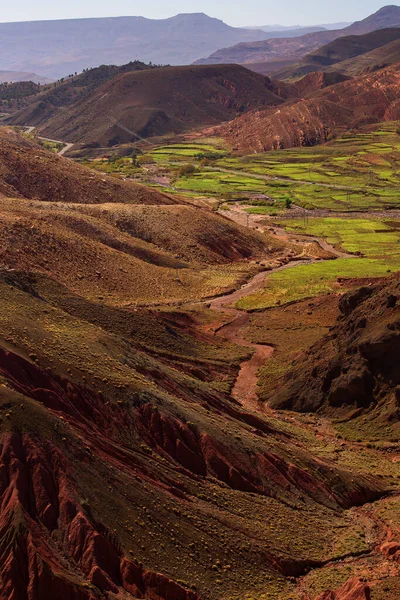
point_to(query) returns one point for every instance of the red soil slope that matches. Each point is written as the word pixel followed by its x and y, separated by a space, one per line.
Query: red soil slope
pixel 119 459
pixel 152 102
pixel 368 99
pixel 355 369
pixel 28 171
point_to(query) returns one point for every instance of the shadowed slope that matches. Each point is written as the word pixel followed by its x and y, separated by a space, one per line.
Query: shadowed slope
pixel 296 48
pixel 28 171
pixel 341 49
pixel 354 371
pixel 120 461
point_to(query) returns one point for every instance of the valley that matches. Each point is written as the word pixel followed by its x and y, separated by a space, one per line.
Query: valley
pixel 200 324
pixel 205 370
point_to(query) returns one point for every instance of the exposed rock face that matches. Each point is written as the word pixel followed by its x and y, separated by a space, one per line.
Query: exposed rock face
pixel 356 366
pixel 50 545
pixel 354 589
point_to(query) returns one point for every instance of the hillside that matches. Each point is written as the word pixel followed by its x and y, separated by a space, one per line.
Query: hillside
pixel 56 48
pixel 65 91
pixel 340 50
pixel 16 76
pixel 370 61
pixel 312 120
pixel 148 103
pixel 56 212
pixel 296 48
pixel 28 171
pixel 354 371
pixel 124 459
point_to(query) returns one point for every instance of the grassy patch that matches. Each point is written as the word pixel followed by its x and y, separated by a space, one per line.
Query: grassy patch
pixel 377 240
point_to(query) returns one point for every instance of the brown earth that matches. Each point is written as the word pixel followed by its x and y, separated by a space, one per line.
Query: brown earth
pixel 28 171
pixel 122 458
pixel 367 99
pixel 127 469
pixel 353 372
pixel 150 103
pixel 122 250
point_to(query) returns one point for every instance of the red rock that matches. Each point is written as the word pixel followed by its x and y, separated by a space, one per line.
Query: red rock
pixel 391 549
pixel 354 589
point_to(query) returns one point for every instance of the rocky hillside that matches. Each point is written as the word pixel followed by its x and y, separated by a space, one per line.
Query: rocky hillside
pixel 354 371
pixel 315 118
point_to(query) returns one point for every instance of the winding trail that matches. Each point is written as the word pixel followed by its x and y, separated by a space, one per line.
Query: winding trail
pixel 66 145
pixel 245 388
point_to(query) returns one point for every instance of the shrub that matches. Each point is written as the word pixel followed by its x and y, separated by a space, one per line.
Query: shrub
pixel 186 170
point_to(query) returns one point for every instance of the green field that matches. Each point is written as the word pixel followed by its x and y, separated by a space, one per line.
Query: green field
pixel 359 171
pixel 377 240
pixel 362 169
pixel 213 147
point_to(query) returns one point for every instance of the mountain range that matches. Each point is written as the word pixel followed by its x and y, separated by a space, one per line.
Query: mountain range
pixel 107 107
pixel 56 48
pixel 291 49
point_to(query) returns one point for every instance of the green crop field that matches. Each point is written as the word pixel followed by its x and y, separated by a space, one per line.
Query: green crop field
pixel 358 171
pixel 377 240
pixel 355 172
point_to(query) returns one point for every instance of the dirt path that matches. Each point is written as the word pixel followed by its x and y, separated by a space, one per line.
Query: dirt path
pixel 66 146
pixel 245 388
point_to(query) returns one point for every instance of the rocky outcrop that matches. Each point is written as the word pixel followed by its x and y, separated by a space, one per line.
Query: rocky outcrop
pixel 356 365
pixel 50 547
pixel 354 589
pixel 317 117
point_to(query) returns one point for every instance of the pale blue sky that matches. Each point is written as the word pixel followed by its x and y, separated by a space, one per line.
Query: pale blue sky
pixel 234 12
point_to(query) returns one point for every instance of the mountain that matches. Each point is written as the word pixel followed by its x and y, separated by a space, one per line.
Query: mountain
pixel 341 49
pixel 314 118
pixel 301 28
pixel 288 32
pixel 335 26
pixel 66 91
pixel 354 370
pixel 127 470
pixel 295 48
pixel 16 76
pixel 369 61
pixel 147 103
pixel 57 48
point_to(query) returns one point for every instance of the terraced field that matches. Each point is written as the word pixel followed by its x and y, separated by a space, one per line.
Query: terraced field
pixel 358 171
pixel 377 241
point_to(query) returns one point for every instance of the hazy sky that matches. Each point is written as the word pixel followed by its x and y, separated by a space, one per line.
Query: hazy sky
pixel 234 12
